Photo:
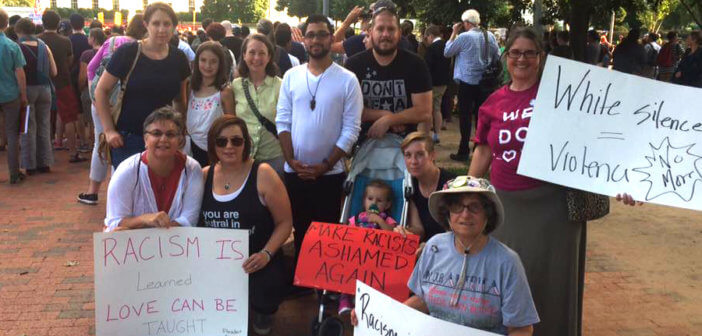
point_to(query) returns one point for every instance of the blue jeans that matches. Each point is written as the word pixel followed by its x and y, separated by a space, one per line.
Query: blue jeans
pixel 133 143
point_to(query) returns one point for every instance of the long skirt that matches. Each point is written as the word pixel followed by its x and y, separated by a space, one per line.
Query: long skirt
pixel 552 249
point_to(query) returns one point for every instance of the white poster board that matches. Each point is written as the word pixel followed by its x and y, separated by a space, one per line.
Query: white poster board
pixel 379 314
pixel 609 132
pixel 177 281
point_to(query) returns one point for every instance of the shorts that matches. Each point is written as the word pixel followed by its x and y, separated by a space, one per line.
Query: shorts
pixel 437 95
pixel 67 104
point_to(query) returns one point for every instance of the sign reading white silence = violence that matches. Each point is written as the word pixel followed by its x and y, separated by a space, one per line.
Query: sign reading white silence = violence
pixel 378 314
pixel 609 132
pixel 177 281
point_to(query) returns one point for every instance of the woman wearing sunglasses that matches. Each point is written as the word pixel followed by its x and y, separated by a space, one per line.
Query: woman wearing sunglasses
pixel 160 187
pixel 537 227
pixel 465 276
pixel 241 193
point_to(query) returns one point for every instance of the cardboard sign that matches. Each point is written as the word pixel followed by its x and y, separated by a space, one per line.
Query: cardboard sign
pixel 177 281
pixel 609 132
pixel 379 314
pixel 334 256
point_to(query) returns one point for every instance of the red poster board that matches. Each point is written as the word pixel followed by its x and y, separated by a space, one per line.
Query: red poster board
pixel 333 256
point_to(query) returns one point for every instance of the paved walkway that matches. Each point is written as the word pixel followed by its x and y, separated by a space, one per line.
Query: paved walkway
pixel 644 267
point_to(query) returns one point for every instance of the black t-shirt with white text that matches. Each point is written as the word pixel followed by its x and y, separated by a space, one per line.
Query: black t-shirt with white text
pixel 390 87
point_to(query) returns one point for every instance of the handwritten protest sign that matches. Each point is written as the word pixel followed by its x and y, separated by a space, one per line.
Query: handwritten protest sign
pixel 333 256
pixel 379 314
pixel 608 132
pixel 180 281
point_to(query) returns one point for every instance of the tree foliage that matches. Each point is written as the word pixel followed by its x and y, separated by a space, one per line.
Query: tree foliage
pixel 502 13
pixel 338 9
pixel 16 3
pixel 234 10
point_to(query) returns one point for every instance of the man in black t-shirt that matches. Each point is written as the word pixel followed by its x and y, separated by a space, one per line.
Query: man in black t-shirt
pixel 395 83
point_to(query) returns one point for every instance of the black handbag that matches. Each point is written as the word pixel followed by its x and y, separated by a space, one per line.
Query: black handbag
pixel 492 73
pixel 270 126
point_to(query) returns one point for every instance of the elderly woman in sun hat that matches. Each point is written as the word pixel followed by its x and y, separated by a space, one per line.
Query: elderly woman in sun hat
pixel 465 276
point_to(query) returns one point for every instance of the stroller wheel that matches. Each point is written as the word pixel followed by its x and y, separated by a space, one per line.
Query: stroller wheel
pixel 330 326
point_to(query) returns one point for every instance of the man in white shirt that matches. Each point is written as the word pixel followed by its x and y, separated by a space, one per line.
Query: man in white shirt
pixel 318 121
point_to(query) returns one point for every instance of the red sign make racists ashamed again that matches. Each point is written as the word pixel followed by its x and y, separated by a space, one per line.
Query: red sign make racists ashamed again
pixel 333 256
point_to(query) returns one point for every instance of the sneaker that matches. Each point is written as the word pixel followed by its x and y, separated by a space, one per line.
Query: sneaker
pixel 435 137
pixel 85 149
pixel 90 199
pixel 345 304
pixel 77 158
pixel 262 324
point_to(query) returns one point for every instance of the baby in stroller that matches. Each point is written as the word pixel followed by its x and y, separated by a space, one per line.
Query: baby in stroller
pixel 377 204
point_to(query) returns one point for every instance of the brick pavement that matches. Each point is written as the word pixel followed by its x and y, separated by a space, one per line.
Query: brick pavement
pixel 46 266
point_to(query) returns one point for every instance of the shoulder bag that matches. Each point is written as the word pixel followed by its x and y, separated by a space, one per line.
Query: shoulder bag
pixel 115 110
pixel 492 73
pixel 270 126
pixel 586 206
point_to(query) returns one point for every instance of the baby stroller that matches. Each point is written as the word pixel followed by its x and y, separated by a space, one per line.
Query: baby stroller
pixel 375 159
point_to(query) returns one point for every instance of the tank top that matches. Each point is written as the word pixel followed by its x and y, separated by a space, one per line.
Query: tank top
pixel 202 112
pixel 30 68
pixel 245 211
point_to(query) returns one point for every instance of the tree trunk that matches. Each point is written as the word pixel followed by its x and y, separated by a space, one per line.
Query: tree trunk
pixel 579 23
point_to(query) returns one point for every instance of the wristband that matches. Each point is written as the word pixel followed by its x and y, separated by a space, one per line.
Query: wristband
pixel 268 253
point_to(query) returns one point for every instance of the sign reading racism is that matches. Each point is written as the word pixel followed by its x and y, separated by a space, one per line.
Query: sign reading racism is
pixel 334 256
pixel 177 281
pixel 609 132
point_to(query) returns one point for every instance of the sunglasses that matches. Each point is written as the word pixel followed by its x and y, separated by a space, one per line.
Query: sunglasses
pixel 223 141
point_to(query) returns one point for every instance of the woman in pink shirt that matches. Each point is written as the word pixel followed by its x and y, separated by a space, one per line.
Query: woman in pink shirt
pixel 135 31
pixel 536 226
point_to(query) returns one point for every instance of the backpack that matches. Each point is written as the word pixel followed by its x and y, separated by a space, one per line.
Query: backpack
pixel 491 79
pixel 98 72
pixel 665 56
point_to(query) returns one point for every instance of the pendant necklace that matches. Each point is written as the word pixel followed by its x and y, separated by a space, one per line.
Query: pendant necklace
pixel 313 102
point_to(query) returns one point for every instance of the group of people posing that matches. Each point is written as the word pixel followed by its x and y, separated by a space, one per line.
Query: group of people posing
pixel 188 145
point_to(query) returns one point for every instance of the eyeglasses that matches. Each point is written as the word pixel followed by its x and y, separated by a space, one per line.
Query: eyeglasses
pixel 516 54
pixel 223 141
pixel 321 34
pixel 473 207
pixel 158 133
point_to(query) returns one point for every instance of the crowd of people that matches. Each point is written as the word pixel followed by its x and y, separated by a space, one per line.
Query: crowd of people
pixel 196 124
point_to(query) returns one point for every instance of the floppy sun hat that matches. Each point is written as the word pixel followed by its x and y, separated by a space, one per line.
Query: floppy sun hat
pixel 465 185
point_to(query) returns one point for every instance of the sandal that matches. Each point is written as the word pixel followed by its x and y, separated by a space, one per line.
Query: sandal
pixel 77 159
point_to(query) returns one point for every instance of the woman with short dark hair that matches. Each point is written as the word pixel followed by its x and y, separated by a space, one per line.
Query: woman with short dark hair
pixel 159 187
pixel 253 192
pixel 465 276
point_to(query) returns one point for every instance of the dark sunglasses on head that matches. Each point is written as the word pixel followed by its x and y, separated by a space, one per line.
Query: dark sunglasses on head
pixel 235 141
pixel 377 11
